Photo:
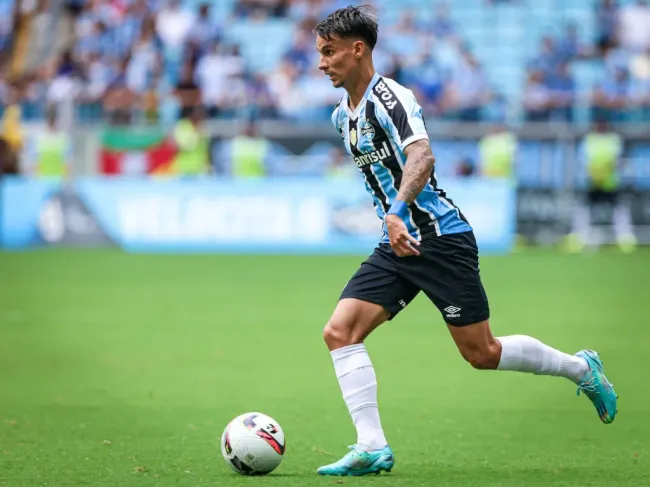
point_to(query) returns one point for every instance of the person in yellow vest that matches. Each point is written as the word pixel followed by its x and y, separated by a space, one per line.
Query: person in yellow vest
pixel 602 150
pixel 193 158
pixel 50 151
pixel 340 167
pixel 497 153
pixel 248 152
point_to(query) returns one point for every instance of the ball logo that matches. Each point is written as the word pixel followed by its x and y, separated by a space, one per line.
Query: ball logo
pixel 249 422
pixel 272 441
pixel 226 445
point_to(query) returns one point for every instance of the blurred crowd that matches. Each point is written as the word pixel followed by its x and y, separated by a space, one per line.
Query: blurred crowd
pixel 621 50
pixel 158 60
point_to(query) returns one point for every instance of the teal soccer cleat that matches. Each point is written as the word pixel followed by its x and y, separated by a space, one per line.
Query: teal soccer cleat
pixel 597 388
pixel 361 462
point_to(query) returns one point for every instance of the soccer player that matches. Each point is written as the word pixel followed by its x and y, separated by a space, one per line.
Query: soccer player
pixel 427 246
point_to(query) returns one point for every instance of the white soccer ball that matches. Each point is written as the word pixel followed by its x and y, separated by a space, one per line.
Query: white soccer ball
pixel 253 444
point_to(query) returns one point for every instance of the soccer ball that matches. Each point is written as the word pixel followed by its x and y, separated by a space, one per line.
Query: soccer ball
pixel 253 444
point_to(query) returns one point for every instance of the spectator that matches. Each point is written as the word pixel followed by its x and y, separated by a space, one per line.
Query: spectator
pixel 65 87
pixel 562 94
pixel 12 134
pixel 441 26
pixel 301 53
pixel 568 47
pixel 611 98
pixel 145 64
pixel 212 79
pixel 640 84
pixel 205 32
pixel 467 93
pixel 425 78
pixel 119 98
pixel 261 98
pixel 606 24
pixel 281 81
pixel 537 97
pixel 188 93
pixel 174 24
pixel 634 26
pixel 547 60
pixel 260 8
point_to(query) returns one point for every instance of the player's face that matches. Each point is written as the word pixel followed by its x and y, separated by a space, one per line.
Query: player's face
pixel 338 57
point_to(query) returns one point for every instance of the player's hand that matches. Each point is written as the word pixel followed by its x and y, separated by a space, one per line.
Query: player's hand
pixel 402 243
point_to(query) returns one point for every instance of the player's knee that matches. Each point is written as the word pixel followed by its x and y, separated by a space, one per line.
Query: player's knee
pixel 340 333
pixel 483 358
pixel 336 335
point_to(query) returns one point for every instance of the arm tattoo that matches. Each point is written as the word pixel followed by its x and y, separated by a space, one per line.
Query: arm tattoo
pixel 417 171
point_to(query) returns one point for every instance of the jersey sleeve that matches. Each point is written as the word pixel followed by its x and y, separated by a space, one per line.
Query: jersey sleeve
pixel 335 117
pixel 400 114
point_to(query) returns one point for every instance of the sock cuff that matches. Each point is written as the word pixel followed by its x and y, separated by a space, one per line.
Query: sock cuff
pixel 510 351
pixel 344 352
pixel 349 359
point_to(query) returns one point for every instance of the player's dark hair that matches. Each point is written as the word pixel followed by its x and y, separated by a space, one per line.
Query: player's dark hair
pixel 353 21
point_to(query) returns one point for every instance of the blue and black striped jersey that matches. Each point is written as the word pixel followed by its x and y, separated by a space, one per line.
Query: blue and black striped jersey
pixel 375 134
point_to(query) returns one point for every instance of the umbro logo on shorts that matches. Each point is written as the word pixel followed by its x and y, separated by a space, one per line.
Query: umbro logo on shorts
pixel 452 311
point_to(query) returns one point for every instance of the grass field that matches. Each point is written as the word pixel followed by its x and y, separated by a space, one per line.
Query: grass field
pixel 122 370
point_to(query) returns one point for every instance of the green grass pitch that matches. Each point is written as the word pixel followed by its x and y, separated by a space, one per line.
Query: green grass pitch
pixel 122 370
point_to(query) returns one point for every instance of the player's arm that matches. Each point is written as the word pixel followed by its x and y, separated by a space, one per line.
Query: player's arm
pixel 417 171
pixel 400 115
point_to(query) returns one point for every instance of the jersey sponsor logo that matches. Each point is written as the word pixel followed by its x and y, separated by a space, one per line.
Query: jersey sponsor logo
pixel 373 157
pixel 367 130
pixel 386 95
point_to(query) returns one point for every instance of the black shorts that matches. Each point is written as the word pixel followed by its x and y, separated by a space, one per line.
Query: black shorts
pixel 600 197
pixel 447 271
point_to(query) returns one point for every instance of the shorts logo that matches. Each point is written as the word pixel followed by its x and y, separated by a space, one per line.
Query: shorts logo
pixel 452 312
pixel 402 303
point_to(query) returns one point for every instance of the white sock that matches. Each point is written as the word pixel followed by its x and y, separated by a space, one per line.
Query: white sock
pixel 359 387
pixel 525 354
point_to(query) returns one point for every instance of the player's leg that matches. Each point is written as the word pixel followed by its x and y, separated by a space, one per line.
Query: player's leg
pixel 518 353
pixel 448 272
pixel 582 232
pixel 622 222
pixel 352 321
pixel 373 295
pixel 521 353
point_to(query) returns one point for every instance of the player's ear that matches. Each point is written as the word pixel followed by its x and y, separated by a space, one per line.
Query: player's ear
pixel 359 48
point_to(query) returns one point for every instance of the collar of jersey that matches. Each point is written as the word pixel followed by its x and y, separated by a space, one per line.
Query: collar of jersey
pixel 354 115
